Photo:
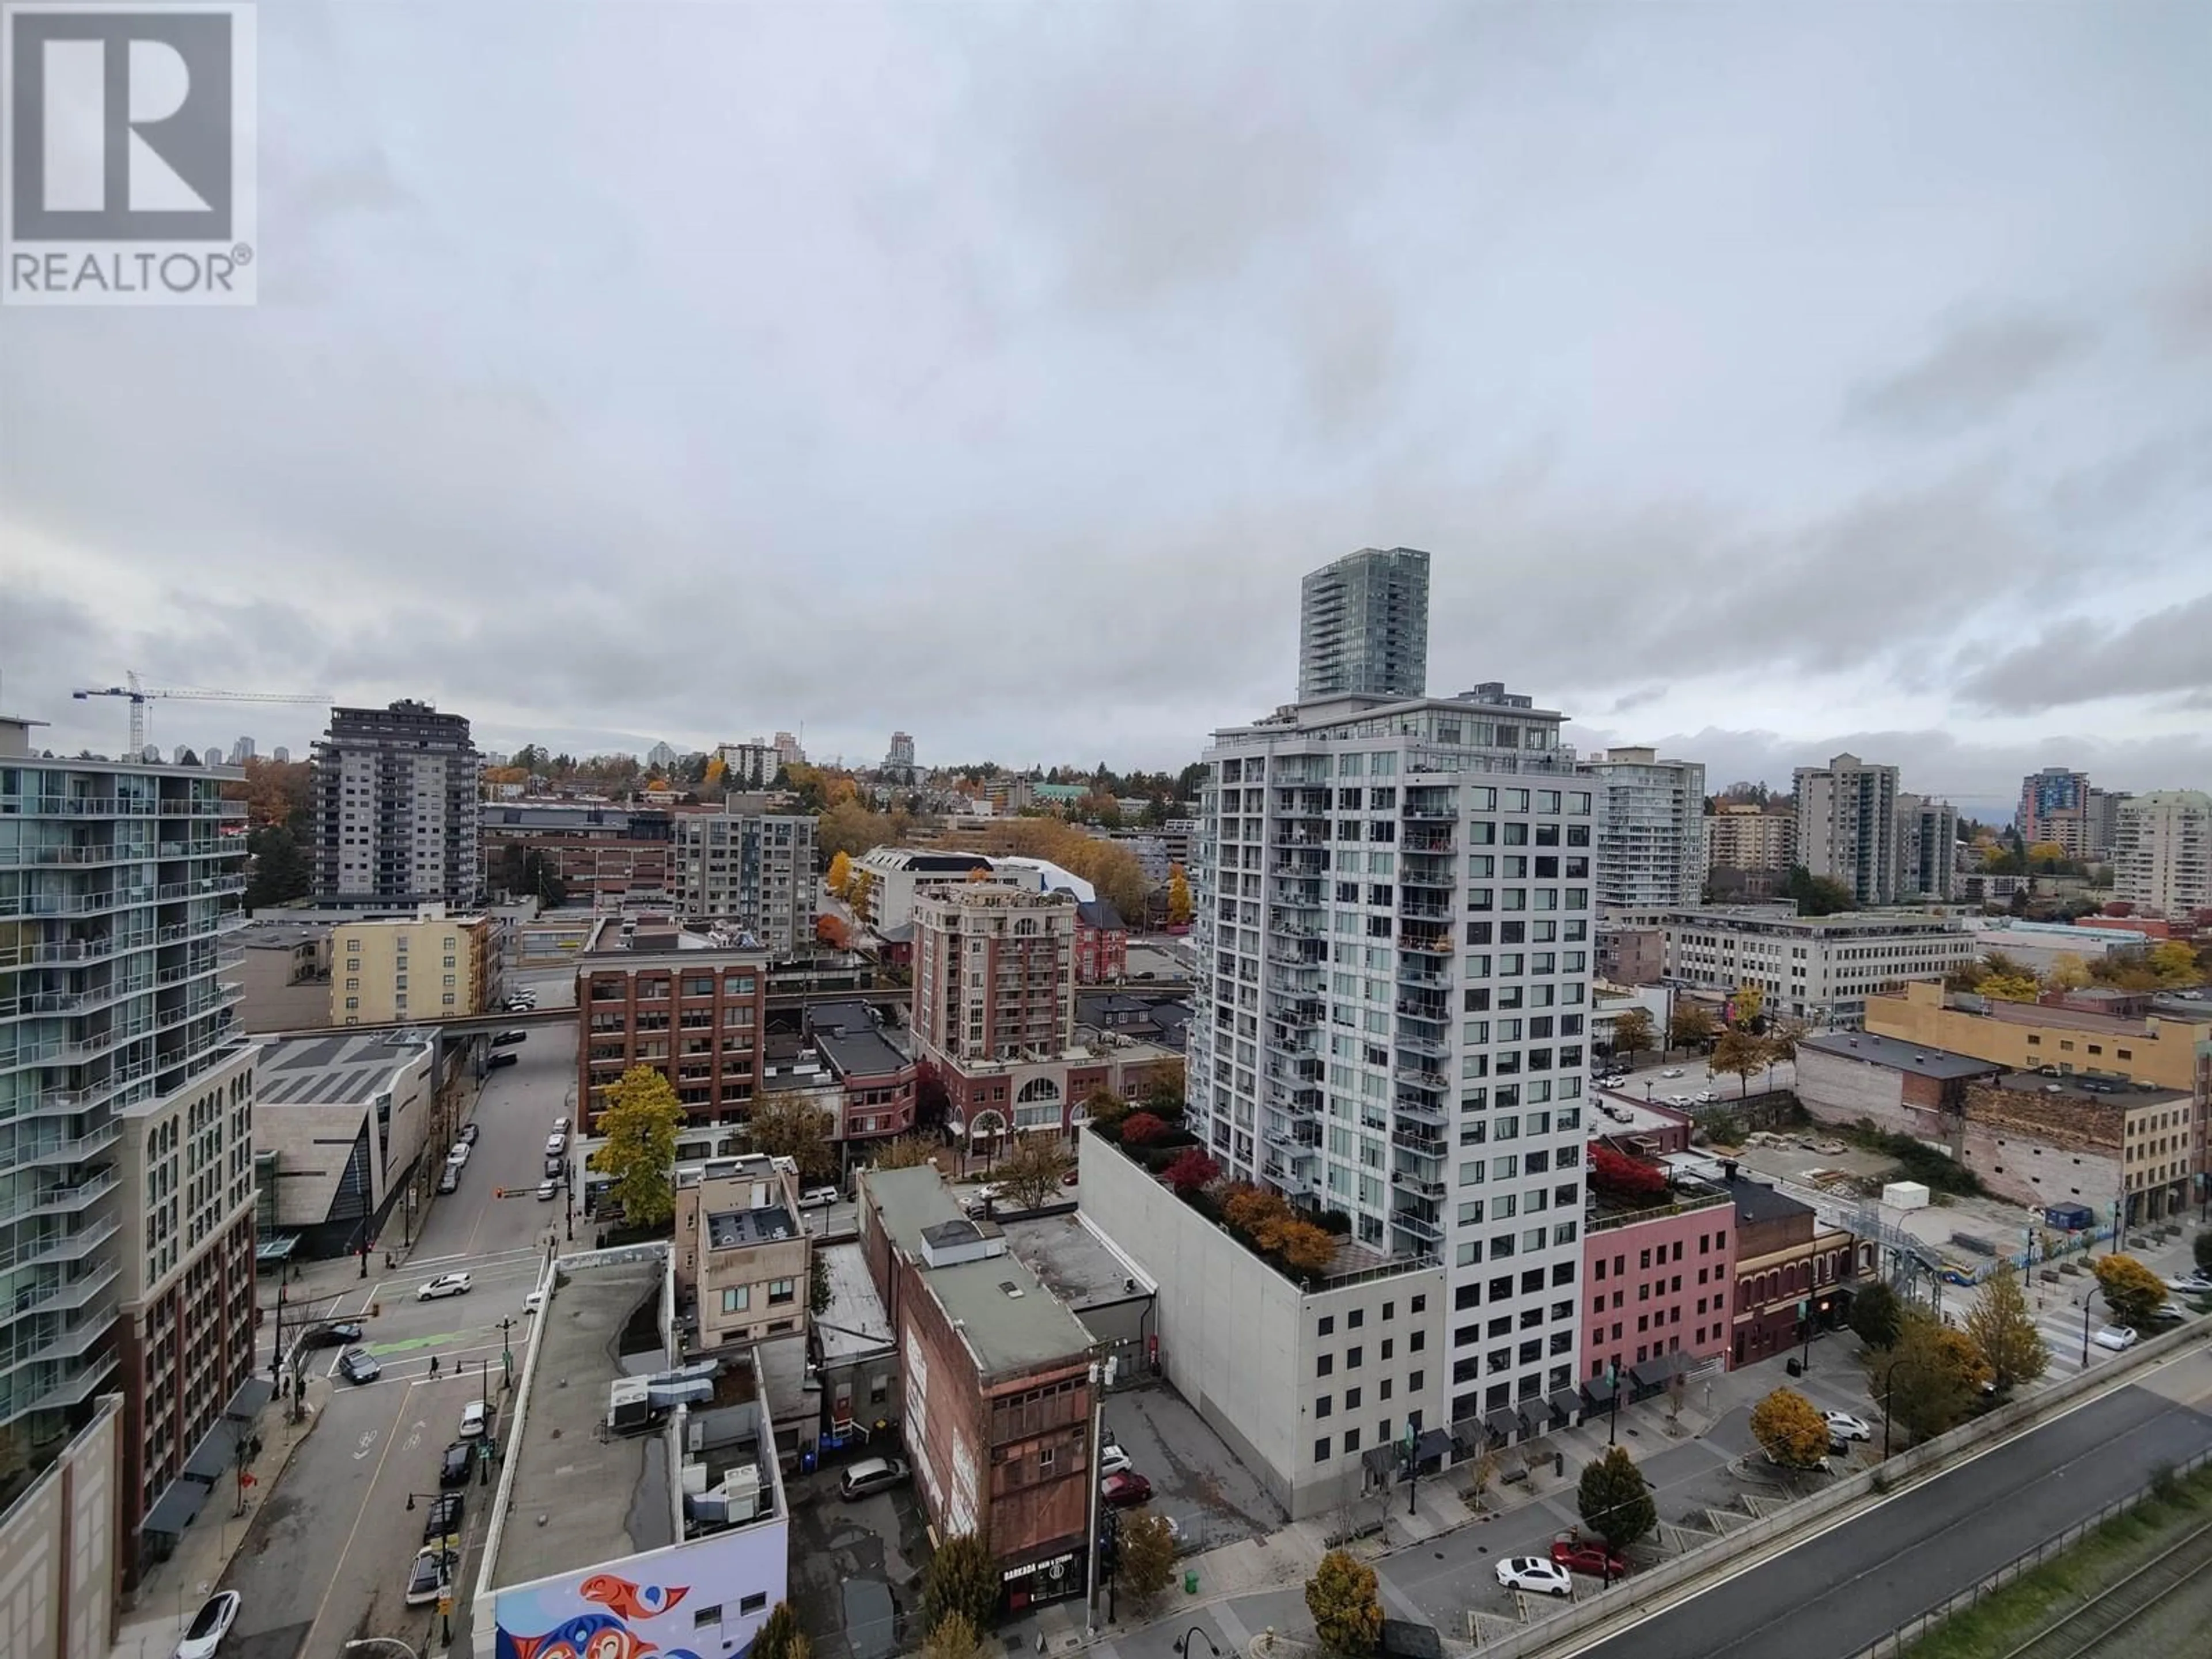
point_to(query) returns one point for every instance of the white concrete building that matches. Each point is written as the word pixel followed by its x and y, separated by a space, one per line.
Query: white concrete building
pixel 896 874
pixel 1651 827
pixel 2162 852
pixel 747 765
pixel 1393 941
pixel 1847 826
pixel 1927 847
pixel 397 810
pixel 1817 969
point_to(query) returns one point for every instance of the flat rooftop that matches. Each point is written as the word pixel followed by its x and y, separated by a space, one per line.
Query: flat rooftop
pixel 2111 1091
pixel 769 1224
pixel 625 1481
pixel 1075 1261
pixel 1917 1058
pixel 911 1202
pixel 1612 1113
pixel 2071 1019
pixel 855 1313
pixel 333 1070
pixel 860 1054
pixel 1010 1319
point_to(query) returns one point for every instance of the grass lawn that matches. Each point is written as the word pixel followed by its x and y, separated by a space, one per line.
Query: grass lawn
pixel 2046 1593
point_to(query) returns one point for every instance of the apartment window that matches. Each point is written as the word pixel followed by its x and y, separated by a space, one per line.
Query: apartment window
pixel 1351 1400
pixel 1352 1359
pixel 1324 1405
pixel 1351 1442
pixel 737 1300
pixel 754 1602
pixel 1325 1325
pixel 1324 1365
pixel 780 1291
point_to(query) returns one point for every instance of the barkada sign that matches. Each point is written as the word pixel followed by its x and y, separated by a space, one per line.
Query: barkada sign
pixel 127 159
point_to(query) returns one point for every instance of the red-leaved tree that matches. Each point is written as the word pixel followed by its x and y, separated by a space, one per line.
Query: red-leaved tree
pixel 1142 1128
pixel 1192 1171
pixel 1618 1176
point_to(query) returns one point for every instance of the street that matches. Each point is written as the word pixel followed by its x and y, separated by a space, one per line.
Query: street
pixel 327 1558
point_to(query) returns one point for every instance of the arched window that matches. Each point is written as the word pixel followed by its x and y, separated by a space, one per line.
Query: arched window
pixel 1037 1089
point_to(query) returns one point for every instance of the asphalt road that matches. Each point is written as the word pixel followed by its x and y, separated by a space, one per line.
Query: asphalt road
pixel 327 1558
pixel 1838 1592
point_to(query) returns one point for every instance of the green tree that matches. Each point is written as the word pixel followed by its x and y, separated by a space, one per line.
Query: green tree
pixel 2132 1290
pixel 1632 1031
pixel 639 1123
pixel 818 1282
pixel 1106 1109
pixel 963 1579
pixel 278 869
pixel 1032 1172
pixel 1877 1315
pixel 2175 964
pixel 2009 987
pixel 1690 1026
pixel 1146 1564
pixel 1164 1088
pixel 954 1638
pixel 1817 896
pixel 1934 1374
pixel 1613 1499
pixel 779 1636
pixel 1789 1429
pixel 798 1130
pixel 2005 1330
pixel 1345 1603
pixel 1739 1055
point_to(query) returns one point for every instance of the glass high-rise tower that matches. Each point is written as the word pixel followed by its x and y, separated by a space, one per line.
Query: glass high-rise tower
pixel 1363 626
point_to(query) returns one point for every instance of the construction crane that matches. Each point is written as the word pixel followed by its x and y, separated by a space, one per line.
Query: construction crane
pixel 141 694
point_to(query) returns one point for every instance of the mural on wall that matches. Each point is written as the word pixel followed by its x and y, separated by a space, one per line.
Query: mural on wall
pixel 683 1602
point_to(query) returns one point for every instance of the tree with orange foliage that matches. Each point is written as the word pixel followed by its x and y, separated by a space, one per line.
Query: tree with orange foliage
pixel 832 932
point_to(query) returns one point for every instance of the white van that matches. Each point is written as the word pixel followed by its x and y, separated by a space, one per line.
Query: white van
pixel 472 1420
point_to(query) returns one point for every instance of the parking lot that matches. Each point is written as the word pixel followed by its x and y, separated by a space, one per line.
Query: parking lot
pixel 879 1540
pixel 1197 1480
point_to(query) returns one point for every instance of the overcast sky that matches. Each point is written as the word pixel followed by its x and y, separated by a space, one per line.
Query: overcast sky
pixel 1765 380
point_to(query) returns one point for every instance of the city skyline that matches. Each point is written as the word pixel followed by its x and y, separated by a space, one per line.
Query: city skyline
pixel 1710 468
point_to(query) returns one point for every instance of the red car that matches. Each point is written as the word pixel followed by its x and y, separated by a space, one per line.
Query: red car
pixel 1590 1556
pixel 1123 1490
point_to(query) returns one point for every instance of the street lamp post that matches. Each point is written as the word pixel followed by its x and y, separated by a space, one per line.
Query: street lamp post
pixel 1886 1379
pixel 1183 1643
pixel 2095 1290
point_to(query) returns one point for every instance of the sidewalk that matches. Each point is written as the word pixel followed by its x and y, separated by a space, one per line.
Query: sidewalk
pixel 154 1616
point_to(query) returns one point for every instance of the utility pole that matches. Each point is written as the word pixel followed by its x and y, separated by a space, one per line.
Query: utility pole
pixel 1090 1528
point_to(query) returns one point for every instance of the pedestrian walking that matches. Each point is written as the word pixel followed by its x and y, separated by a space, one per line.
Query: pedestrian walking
pixel 433 1364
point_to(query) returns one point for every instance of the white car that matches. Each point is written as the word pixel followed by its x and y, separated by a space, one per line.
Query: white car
pixel 2118 1338
pixel 208 1626
pixel 1672 1071
pixel 555 1144
pixel 1842 1425
pixel 548 1190
pixel 533 1302
pixel 460 1156
pixel 818 1198
pixel 560 1126
pixel 444 1284
pixel 1113 1460
pixel 2191 1284
pixel 1527 1572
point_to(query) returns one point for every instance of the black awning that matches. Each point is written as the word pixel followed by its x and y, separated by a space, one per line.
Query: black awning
pixel 174 1510
pixel 1651 1374
pixel 1379 1461
pixel 1600 1390
pixel 1565 1403
pixel 1433 1443
pixel 1501 1423
pixel 1467 1438
pixel 252 1395
pixel 211 1459
pixel 1535 1416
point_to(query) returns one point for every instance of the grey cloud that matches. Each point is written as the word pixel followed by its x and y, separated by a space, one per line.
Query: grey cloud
pixel 1973 373
pixel 1642 698
pixel 2168 651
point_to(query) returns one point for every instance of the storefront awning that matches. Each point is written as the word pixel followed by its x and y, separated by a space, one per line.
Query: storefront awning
pixel 174 1510
pixel 1535 1416
pixel 1600 1390
pixel 1565 1403
pixel 1651 1374
pixel 1433 1443
pixel 1501 1423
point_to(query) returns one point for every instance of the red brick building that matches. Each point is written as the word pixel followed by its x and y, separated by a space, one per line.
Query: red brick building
pixel 1783 1257
pixel 996 1374
pixel 603 855
pixel 652 994
pixel 1101 943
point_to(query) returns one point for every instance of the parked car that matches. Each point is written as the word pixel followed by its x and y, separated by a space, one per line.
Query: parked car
pixel 474 1417
pixel 548 1190
pixel 1068 1180
pixel 1527 1572
pixel 454 1471
pixel 443 1285
pixel 2168 1314
pixel 449 1178
pixel 357 1365
pixel 445 1518
pixel 556 1169
pixel 459 1157
pixel 333 1336
pixel 210 1626
pixel 533 1302
pixel 504 1057
pixel 425 1577
pixel 560 1126
pixel 2194 1283
pixel 1114 1460
pixel 1672 1071
pixel 510 1039
pixel 1588 1555
pixel 2118 1338
pixel 819 1198
pixel 1842 1425
pixel 555 1144
pixel 870 1474
pixel 1125 1489
pixel 470 1132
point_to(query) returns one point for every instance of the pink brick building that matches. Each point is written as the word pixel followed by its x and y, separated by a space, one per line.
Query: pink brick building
pixel 1657 1279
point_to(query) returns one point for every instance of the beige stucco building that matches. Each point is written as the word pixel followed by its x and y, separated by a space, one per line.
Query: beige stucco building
pixel 60 1559
pixel 740 1249
pixel 430 966
pixel 2025 1036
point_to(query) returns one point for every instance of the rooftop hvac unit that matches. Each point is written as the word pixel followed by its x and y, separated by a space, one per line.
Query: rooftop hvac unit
pixel 741 1491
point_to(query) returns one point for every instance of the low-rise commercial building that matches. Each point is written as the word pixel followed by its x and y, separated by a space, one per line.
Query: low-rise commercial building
pixel 2082 1141
pixel 341 1123
pixel 1902 1088
pixel 284 976
pixel 1793 1276
pixel 623 1463
pixel 1631 956
pixel 855 1353
pixel 997 1378
pixel 741 1255
pixel 1821 969
pixel 606 857
pixel 876 1082
pixel 2026 1036
pixel 1658 1280
pixel 1101 943
pixel 693 1006
pixel 1303 1384
pixel 428 966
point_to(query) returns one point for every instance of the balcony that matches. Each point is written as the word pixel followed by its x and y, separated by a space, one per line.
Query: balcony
pixel 1422 1044
pixel 1419 1226
pixel 96 1323
pixel 1411 972
pixel 76 904
pixel 49 1149
pixel 76 806
pixel 1430 812
pixel 67 1246
pixel 76 1389
pixel 73 1293
pixel 1428 839
pixel 1427 1186
pixel 1427 942
pixel 1424 910
pixel 1416 1108
pixel 1298 1138
pixel 1417 1142
pixel 117 1083
pixel 59 1200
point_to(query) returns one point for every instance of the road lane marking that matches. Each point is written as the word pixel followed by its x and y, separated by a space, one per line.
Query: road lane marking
pixel 375 1475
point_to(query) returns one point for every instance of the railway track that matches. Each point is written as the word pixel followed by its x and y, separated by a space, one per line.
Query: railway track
pixel 2106 1615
